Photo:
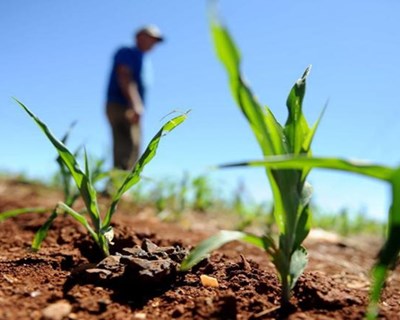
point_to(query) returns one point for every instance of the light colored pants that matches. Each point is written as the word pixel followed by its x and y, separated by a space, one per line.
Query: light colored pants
pixel 126 137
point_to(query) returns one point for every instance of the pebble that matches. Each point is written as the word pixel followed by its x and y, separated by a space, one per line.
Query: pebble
pixel 208 281
pixel 57 310
pixel 140 316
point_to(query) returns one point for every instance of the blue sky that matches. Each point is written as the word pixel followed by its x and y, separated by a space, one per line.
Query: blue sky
pixel 56 56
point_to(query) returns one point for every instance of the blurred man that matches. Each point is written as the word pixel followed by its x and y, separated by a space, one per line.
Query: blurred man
pixel 126 96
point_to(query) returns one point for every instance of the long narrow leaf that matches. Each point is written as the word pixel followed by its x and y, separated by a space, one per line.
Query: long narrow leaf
pixel 269 136
pixel 134 176
pixel 16 212
pixel 81 180
pixel 63 208
pixel 298 264
pixel 298 162
pixel 390 250
pixel 203 249
pixel 65 176
pixel 296 128
pixel 41 234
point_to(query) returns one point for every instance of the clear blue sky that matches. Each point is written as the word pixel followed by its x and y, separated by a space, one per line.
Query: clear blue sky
pixel 56 56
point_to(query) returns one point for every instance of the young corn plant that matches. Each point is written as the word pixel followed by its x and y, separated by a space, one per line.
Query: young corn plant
pixel 69 195
pixel 291 193
pixel 202 193
pixel 390 250
pixel 98 227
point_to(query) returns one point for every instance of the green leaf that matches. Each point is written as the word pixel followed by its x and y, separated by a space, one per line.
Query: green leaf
pixel 297 265
pixel 85 187
pixel 62 208
pixel 134 176
pixel 267 130
pixel 391 248
pixel 225 48
pixel 303 226
pixel 16 212
pixel 41 234
pixel 203 249
pixel 379 273
pixel 290 162
pixel 296 128
pixel 306 147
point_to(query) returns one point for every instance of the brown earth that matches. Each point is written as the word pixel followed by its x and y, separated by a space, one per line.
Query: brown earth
pixel 64 281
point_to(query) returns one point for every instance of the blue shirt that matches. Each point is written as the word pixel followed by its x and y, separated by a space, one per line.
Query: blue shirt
pixel 133 58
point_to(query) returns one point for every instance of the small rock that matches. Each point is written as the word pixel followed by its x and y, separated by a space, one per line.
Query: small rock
pixel 208 281
pixel 57 310
pixel 98 270
pixel 139 316
pixel 35 293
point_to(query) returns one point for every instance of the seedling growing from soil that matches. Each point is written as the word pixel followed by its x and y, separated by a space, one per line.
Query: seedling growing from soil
pixel 390 250
pixel 100 229
pixel 71 194
pixel 290 190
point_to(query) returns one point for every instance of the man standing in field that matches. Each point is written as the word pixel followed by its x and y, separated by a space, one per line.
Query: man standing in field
pixel 126 96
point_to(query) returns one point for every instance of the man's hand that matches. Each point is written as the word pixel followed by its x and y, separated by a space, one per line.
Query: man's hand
pixel 132 116
pixel 130 90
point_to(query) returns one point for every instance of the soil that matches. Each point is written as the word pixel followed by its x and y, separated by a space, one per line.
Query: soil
pixel 67 278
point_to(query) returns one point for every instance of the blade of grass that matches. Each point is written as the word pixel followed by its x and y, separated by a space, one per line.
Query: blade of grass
pixel 16 212
pixel 296 127
pixel 298 162
pixel 85 187
pixel 265 127
pixel 391 249
pixel 41 234
pixel 63 208
pixel 214 242
pixel 134 175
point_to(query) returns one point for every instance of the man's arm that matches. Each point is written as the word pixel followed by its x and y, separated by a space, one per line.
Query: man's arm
pixel 130 90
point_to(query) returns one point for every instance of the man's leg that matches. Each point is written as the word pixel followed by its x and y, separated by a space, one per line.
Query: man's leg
pixel 123 144
pixel 136 138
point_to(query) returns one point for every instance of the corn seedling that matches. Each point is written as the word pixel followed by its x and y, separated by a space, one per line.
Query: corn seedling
pixel 391 248
pixel 69 197
pixel 290 191
pixel 346 223
pixel 247 211
pixel 16 212
pixel 202 193
pixel 99 229
pixel 71 194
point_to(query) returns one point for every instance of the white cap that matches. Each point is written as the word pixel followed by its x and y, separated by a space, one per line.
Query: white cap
pixel 152 31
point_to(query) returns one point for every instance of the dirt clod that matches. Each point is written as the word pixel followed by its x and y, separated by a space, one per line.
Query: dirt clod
pixel 142 267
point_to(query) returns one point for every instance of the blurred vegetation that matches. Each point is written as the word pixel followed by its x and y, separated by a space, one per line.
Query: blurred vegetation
pixel 173 198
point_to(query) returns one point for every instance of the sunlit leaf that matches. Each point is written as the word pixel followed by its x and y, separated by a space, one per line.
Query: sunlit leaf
pixel 41 234
pixel 297 265
pixel 16 212
pixel 134 175
pixel 86 189
pixel 203 249
pixel 290 162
